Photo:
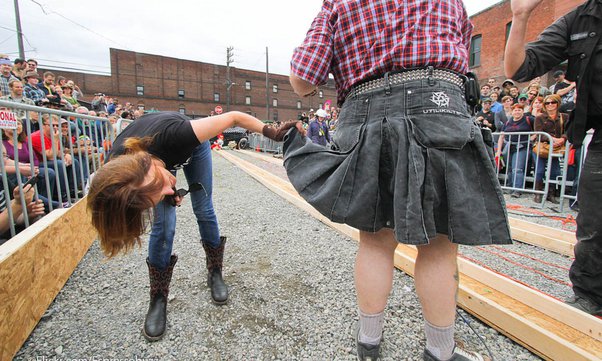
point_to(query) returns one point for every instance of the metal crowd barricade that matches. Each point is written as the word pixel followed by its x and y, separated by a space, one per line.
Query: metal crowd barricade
pixel 93 139
pixel 528 139
pixel 578 164
pixel 510 153
pixel 263 144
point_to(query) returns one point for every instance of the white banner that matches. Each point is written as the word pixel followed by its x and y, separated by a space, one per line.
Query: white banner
pixel 8 119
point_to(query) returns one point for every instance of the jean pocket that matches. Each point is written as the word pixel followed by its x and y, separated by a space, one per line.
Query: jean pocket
pixel 439 118
pixel 349 129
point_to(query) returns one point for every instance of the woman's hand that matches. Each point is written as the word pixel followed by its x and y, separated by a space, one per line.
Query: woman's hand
pixel 558 142
pixel 35 209
pixel 28 192
pixel 67 159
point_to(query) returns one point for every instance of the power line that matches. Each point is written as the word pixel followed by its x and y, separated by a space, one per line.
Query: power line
pixel 26 39
pixel 7 39
pixel 78 24
pixel 66 62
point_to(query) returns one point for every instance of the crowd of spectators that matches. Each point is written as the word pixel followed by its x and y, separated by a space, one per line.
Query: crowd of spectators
pixel 506 109
pixel 59 151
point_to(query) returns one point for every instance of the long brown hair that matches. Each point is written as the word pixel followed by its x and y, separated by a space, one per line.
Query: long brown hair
pixel 118 199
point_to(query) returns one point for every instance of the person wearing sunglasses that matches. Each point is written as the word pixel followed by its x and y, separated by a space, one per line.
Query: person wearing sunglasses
pixel 550 121
pixel 140 175
pixel 575 37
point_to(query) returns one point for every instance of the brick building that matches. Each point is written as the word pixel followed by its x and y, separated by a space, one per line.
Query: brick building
pixel 195 88
pixel 491 28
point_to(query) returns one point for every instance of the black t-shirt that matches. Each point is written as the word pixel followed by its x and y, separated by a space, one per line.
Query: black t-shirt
pixel 489 116
pixel 173 137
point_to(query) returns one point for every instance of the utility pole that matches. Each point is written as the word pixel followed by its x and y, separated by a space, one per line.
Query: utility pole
pixel 229 83
pixel 19 33
pixel 267 86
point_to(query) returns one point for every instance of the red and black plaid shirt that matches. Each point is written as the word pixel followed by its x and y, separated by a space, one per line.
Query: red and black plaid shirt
pixel 356 40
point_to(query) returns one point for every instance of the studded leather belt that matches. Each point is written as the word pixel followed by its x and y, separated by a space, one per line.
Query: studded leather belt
pixel 406 76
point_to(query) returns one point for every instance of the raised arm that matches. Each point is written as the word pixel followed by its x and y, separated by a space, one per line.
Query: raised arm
pixel 207 128
pixel 514 55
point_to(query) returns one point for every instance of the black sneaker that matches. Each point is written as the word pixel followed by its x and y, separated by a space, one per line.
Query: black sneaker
pixel 584 305
pixel 516 194
pixel 460 354
pixel 366 352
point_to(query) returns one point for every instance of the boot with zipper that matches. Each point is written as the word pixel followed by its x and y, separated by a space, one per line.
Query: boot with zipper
pixel 215 281
pixel 156 317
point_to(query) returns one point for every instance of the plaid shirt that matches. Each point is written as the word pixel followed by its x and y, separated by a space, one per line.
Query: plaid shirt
pixel 4 88
pixel 33 92
pixel 356 40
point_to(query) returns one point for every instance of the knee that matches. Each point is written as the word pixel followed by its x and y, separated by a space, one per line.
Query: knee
pixel 383 240
pixel 439 248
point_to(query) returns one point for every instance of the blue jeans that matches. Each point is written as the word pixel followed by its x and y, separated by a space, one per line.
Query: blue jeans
pixel 540 168
pixel 517 164
pixel 73 176
pixel 198 170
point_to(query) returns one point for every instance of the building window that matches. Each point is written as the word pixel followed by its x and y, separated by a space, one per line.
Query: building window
pixel 298 104
pixel 320 106
pixel 475 51
pixel 275 102
pixel 275 115
pixel 321 94
pixel 139 89
pixel 275 88
pixel 182 109
pixel 216 97
pixel 508 26
pixel 248 100
pixel 181 94
pixel 248 85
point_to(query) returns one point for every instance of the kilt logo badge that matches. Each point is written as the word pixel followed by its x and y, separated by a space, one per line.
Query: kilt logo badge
pixel 440 98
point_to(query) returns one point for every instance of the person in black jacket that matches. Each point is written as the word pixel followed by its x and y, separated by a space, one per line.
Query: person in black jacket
pixel 574 37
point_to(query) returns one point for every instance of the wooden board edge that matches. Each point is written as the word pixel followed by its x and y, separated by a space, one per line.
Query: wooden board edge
pixel 35 271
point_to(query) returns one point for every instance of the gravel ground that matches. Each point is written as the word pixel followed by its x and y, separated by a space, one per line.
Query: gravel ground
pixel 292 294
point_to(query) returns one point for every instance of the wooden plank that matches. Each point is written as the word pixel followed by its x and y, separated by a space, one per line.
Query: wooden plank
pixel 263 156
pixel 522 322
pixel 34 266
pixel 587 324
pixel 552 239
pixel 545 242
pixel 484 303
pixel 550 232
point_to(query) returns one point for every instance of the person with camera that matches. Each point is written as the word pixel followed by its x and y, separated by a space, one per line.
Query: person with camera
pixel 140 175
pixel 33 209
pixel 575 37
pixel 403 161
pixel 99 103
pixel 486 118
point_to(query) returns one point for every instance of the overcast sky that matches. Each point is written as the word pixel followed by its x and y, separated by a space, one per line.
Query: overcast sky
pixel 78 33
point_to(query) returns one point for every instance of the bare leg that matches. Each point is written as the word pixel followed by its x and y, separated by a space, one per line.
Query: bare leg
pixel 436 277
pixel 374 270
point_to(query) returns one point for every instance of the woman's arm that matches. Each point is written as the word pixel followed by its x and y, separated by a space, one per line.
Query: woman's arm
pixel 207 128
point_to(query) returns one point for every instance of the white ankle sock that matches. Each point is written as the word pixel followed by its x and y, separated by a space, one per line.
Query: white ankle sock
pixel 371 328
pixel 440 340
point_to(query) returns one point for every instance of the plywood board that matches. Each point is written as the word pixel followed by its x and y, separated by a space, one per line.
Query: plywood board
pixel 34 266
